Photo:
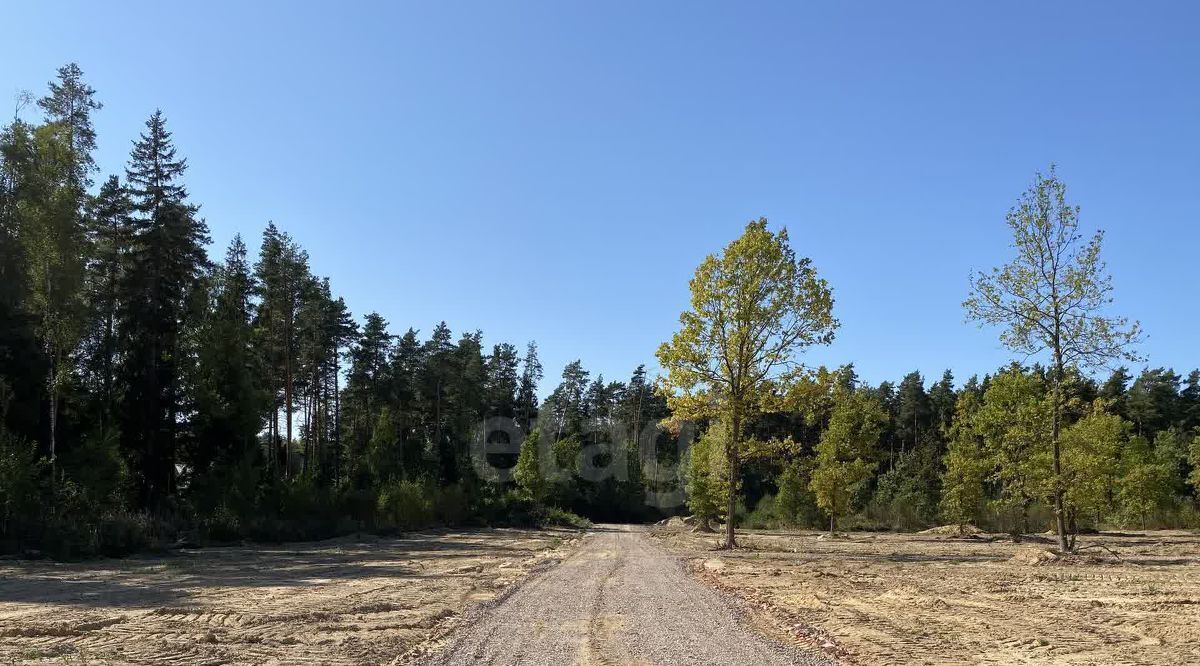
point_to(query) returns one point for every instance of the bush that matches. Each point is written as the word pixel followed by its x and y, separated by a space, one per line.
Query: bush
pixel 907 496
pixel 796 505
pixel 223 524
pixel 551 516
pixel 763 516
pixel 122 533
pixel 404 505
pixel 451 505
pixel 20 491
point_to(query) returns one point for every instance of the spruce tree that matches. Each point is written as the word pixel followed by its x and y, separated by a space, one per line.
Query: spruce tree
pixel 159 286
pixel 153 175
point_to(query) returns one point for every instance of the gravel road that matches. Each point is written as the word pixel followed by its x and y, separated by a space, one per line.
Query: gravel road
pixel 618 599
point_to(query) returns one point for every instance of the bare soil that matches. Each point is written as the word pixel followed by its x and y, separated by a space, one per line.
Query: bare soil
pixel 349 601
pixel 1130 598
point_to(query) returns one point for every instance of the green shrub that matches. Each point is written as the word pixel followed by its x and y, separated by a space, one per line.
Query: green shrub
pixel 404 505
pixel 451 505
pixel 551 516
pixel 763 516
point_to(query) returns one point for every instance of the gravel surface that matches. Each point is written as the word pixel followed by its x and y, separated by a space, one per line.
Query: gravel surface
pixel 619 599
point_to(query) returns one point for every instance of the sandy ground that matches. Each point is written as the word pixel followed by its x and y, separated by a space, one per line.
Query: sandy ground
pixel 350 601
pixel 618 599
pixel 929 599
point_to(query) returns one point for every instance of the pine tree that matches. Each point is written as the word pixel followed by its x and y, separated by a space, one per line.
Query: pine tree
pixel 527 398
pixel 502 380
pixel 368 387
pixel 231 403
pixel 284 279
pixel 1115 391
pixel 1153 401
pixel 915 413
pixel 109 238
pixel 407 363
pixel 69 105
pixel 1190 402
pixel 943 402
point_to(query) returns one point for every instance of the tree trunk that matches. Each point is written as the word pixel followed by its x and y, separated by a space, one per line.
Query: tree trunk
pixel 53 389
pixel 731 453
pixel 287 405
pixel 1060 518
pixel 337 417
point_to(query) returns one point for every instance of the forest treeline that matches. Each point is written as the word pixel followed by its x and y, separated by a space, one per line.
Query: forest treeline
pixel 151 394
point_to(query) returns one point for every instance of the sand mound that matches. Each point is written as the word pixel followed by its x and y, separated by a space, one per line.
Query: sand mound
pixel 1034 557
pixel 953 530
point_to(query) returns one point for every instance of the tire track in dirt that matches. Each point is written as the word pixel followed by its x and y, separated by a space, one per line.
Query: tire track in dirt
pixel 358 601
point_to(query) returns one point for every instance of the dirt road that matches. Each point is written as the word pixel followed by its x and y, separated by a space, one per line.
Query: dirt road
pixel 618 599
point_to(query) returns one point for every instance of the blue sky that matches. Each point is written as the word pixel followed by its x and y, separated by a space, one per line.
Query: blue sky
pixel 555 171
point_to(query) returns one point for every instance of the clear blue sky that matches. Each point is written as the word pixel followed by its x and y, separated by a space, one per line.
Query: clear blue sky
pixel 555 171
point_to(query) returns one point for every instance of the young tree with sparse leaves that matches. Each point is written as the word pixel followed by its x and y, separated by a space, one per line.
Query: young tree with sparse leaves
pixel 1052 298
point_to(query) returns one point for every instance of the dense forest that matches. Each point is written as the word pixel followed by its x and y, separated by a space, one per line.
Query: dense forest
pixel 152 395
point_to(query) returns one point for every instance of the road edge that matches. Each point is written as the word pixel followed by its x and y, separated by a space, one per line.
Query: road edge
pixel 439 640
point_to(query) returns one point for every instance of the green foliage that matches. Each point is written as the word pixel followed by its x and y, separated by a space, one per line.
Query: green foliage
pixel 1194 461
pixel 845 452
pixel 528 473
pixel 556 517
pixel 1014 424
pixel 21 474
pixel 966 465
pixel 148 395
pixel 753 308
pixel 1146 482
pixel 1052 298
pixel 907 495
pixel 404 505
pixel 1091 462
pixel 706 474
pixel 764 516
pixel 795 503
